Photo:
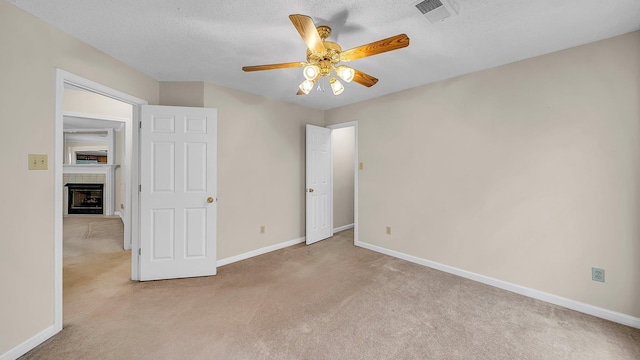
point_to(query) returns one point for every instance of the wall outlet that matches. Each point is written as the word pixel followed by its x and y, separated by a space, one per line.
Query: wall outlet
pixel 597 274
pixel 263 229
pixel 388 230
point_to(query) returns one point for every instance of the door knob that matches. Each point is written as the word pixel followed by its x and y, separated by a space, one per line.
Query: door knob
pixel 209 199
pixel 310 190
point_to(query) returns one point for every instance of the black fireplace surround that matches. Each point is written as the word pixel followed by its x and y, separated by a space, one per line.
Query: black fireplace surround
pixel 85 198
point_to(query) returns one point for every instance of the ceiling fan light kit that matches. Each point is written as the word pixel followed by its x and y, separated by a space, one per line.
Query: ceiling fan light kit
pixel 324 57
pixel 336 86
pixel 307 86
pixel 345 73
pixel 311 72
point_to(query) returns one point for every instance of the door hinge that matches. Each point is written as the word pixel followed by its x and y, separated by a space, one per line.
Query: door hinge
pixel 140 124
pixel 140 188
pixel 139 251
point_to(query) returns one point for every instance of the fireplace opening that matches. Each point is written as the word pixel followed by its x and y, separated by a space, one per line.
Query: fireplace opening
pixel 85 198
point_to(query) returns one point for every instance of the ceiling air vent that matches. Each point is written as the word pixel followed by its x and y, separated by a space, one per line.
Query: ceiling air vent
pixel 434 10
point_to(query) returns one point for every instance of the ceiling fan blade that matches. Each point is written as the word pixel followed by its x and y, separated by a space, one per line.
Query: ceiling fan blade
pixel 300 92
pixel 308 32
pixel 364 79
pixel 376 47
pixel 274 66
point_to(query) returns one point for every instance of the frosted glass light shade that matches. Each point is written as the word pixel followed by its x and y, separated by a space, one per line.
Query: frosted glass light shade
pixel 311 72
pixel 306 86
pixel 336 86
pixel 345 73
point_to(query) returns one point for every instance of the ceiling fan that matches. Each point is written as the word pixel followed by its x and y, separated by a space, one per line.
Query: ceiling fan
pixel 324 56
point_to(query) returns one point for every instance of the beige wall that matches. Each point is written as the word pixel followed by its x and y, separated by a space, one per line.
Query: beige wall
pixel 31 51
pixel 182 93
pixel 261 172
pixel 526 173
pixel 261 159
pixel 343 144
pixel 86 102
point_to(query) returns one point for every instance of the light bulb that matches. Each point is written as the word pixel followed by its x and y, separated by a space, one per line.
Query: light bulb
pixel 346 73
pixel 311 72
pixel 336 86
pixel 306 86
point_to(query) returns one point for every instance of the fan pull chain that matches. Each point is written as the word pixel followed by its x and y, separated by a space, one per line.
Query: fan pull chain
pixel 321 82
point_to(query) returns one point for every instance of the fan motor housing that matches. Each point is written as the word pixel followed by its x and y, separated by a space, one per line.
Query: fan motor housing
pixel 328 58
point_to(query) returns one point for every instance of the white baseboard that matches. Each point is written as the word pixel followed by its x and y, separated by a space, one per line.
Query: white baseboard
pixel 617 317
pixel 264 250
pixel 29 344
pixel 343 228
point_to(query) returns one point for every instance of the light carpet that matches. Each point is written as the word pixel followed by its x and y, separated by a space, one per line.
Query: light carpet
pixel 330 300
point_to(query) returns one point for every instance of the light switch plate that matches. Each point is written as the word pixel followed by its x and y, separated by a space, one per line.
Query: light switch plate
pixel 38 162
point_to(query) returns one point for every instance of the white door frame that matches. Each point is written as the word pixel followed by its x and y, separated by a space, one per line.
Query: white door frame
pixel 353 124
pixel 131 209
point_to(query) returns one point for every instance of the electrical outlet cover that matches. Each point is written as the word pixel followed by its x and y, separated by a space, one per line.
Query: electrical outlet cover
pixel 597 274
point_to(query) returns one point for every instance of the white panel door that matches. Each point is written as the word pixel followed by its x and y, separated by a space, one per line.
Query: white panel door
pixel 319 190
pixel 177 193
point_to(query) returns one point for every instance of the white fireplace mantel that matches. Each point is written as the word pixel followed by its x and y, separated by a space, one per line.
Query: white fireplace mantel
pixel 109 187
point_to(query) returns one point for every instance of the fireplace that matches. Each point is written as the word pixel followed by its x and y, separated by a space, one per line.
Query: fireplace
pixel 85 198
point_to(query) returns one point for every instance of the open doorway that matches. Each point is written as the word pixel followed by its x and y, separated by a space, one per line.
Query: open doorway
pixel 345 176
pixel 94 163
pixel 95 144
pixel 95 157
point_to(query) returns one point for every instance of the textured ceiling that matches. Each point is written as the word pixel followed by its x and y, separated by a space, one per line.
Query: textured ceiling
pixel 209 40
